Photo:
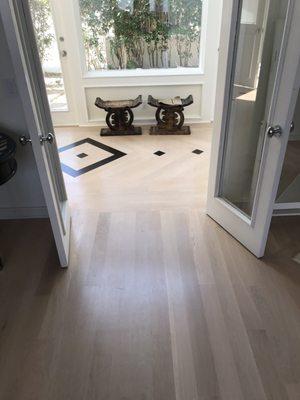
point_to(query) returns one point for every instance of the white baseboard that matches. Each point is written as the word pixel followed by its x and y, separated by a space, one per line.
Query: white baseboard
pixel 23 212
pixel 286 213
pixel 294 135
pixel 137 121
pixel 145 121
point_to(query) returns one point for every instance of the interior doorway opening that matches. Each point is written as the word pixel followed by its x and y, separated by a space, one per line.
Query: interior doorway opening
pixel 132 48
pixel 254 62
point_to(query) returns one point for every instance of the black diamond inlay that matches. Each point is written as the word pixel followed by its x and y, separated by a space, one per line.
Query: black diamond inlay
pixel 197 151
pixel 159 153
pixel 82 155
pixel 115 154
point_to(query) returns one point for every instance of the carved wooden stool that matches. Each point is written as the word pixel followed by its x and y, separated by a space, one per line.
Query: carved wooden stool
pixel 119 116
pixel 169 116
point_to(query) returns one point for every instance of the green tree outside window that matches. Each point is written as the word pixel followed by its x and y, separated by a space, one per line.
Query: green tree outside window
pixel 126 34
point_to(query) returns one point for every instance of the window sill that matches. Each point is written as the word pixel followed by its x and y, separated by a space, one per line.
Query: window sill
pixel 142 73
pixel 142 78
pixel 59 109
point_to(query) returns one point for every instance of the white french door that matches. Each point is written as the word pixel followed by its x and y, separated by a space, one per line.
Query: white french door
pixel 55 42
pixel 32 91
pixel 252 123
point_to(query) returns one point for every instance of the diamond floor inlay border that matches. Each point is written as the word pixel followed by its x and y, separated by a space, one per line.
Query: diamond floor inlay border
pixel 74 173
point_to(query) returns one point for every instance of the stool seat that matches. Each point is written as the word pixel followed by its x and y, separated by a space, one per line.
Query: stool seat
pixel 118 104
pixel 172 102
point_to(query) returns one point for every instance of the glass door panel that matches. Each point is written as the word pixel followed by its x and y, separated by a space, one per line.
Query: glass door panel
pixel 289 186
pixel 258 41
pixel 42 19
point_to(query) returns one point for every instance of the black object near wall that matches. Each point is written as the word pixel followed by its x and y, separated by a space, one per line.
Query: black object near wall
pixel 8 164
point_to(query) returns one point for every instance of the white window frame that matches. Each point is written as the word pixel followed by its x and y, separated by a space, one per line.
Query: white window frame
pixel 139 72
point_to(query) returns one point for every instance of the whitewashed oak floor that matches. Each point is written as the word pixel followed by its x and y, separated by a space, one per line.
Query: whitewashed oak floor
pixel 159 302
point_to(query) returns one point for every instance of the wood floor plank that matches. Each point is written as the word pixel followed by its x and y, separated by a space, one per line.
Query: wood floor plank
pixel 293 391
pixel 244 359
pixel 226 369
pixel 203 361
pixel 184 371
pixel 266 364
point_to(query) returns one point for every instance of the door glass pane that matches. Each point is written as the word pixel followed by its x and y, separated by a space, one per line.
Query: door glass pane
pixel 289 186
pixel 145 34
pixel 259 36
pixel 49 53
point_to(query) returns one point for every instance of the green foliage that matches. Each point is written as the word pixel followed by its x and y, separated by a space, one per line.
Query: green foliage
pixel 185 15
pixel 41 17
pixel 133 28
pixel 132 32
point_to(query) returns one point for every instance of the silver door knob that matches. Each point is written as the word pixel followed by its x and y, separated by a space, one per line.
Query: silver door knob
pixel 274 131
pixel 49 138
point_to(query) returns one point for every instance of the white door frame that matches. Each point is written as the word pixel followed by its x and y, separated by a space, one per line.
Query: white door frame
pixel 30 83
pixel 252 232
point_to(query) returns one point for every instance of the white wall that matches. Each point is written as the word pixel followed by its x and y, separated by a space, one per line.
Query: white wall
pixel 87 86
pixel 144 113
pixel 22 196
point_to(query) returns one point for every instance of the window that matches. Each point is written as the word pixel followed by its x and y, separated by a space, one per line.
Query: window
pixel 145 34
